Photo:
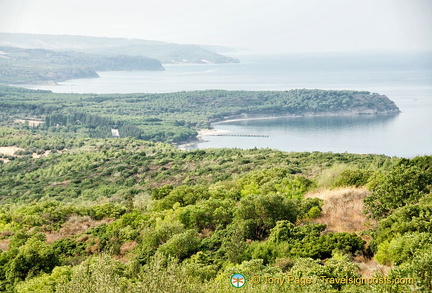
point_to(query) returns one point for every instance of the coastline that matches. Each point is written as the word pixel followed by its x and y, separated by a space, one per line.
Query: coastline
pixel 211 132
pixel 328 114
pixel 199 138
pixel 215 131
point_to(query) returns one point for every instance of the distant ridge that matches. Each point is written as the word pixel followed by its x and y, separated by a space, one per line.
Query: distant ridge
pixel 21 66
pixel 165 52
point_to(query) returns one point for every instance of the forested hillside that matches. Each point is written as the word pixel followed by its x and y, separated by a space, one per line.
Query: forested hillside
pixel 82 211
pixel 125 215
pixel 18 66
pixel 175 117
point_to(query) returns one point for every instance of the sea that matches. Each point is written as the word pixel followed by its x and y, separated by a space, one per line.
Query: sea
pixel 408 83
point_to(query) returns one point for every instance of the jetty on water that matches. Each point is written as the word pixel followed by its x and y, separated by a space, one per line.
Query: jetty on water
pixel 241 135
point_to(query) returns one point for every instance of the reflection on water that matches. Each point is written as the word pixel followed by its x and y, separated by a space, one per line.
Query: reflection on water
pixel 355 134
pixel 315 123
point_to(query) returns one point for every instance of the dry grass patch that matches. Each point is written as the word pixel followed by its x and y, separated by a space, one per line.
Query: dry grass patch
pixel 369 267
pixel 76 225
pixel 4 244
pixel 343 212
pixel 127 246
pixel 343 209
pixel 10 150
pixel 51 237
pixel 31 123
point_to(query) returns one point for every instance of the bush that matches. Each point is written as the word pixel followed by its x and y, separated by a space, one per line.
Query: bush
pixel 401 186
pixel 419 268
pixel 402 249
pixel 46 283
pixel 264 211
pixel 28 255
pixel 181 245
pixel 411 218
pixel 322 247
pixel 184 195
pixel 354 178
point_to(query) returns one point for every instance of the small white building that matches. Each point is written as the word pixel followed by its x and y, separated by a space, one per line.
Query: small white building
pixel 115 132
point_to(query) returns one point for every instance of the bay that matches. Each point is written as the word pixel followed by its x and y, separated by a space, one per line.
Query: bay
pixel 408 134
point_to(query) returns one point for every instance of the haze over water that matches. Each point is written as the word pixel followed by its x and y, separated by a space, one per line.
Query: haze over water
pixel 407 134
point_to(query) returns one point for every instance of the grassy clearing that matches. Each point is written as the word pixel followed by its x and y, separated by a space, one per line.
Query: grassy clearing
pixel 343 209
pixel 343 212
pixel 10 150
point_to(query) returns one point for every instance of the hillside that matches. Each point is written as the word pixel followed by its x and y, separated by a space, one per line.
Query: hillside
pixel 175 117
pixel 126 215
pixel 19 66
pixel 165 52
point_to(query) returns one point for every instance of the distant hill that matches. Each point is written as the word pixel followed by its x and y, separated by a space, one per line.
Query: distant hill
pixel 224 49
pixel 19 65
pixel 165 52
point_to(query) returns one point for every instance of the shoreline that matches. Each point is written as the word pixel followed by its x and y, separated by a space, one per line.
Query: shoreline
pixel 199 138
pixel 215 131
pixel 304 115
pixel 211 132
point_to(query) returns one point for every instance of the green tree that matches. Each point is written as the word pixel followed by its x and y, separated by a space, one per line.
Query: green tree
pixel 263 211
pixel 401 186
pixel 181 245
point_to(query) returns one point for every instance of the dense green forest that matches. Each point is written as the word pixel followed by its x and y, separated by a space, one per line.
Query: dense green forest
pixel 83 214
pixel 18 66
pixel 173 117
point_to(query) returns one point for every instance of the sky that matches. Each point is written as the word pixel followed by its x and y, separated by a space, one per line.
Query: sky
pixel 265 26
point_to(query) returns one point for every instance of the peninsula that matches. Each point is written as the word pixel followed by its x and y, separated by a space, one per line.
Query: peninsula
pixel 34 66
pixel 176 117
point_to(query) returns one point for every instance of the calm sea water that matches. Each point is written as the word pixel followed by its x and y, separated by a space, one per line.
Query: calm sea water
pixel 407 134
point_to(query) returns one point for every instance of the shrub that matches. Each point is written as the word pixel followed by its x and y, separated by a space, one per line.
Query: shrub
pixel 402 249
pixel 264 211
pixel 401 186
pixel 181 245
pixel 354 178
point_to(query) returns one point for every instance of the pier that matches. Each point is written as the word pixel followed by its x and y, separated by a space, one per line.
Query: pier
pixel 241 135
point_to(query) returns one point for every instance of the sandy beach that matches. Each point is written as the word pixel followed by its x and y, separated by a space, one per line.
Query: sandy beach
pixel 201 133
pixel 211 132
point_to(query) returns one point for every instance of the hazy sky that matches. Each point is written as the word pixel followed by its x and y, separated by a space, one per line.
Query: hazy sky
pixel 260 25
